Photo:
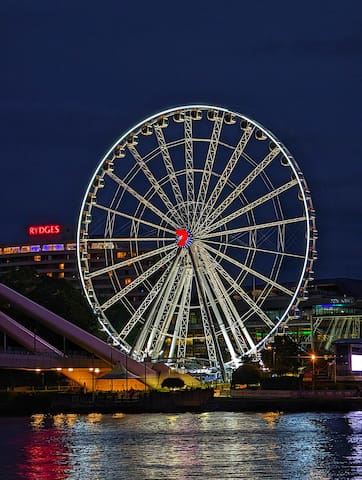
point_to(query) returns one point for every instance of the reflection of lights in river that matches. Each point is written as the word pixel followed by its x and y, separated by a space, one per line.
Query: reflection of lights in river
pixel 212 445
pixel 47 456
pixel 271 418
pixel 94 417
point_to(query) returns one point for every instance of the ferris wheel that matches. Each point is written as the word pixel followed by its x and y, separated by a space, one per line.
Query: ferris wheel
pixel 196 237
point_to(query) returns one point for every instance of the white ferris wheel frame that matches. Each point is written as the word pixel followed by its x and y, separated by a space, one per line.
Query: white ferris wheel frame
pixel 310 233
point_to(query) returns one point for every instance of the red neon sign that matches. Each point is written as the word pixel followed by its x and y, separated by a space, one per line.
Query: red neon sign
pixel 44 229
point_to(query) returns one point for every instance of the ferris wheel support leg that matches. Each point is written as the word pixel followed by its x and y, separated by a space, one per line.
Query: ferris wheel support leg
pixel 240 333
pixel 164 318
pixel 209 297
pixel 182 317
pixel 148 328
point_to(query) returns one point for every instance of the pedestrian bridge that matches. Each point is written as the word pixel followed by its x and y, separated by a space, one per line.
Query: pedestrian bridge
pixel 41 354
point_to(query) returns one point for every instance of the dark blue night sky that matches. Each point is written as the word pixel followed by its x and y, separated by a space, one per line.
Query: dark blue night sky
pixel 76 74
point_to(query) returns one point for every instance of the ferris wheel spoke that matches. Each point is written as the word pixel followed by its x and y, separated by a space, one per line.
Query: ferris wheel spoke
pixel 137 317
pixel 170 169
pixel 137 281
pixel 209 163
pixel 241 187
pixel 212 347
pixel 133 218
pixel 111 239
pixel 240 291
pixel 128 261
pixel 182 320
pixel 163 318
pixel 159 313
pixel 254 249
pixel 189 164
pixel 223 180
pixel 168 280
pixel 250 228
pixel 240 334
pixel 155 184
pixel 142 200
pixel 247 208
pixel 205 287
pixel 251 271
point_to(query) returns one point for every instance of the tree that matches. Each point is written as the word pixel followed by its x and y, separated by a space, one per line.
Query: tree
pixel 282 355
pixel 173 382
pixel 247 374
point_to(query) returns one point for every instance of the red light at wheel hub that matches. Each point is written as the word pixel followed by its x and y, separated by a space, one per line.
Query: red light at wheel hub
pixel 184 238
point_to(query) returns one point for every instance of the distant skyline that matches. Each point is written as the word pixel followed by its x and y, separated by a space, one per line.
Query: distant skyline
pixel 76 75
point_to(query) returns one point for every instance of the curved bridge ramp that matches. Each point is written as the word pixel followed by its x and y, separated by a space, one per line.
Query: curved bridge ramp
pixel 26 337
pixel 80 337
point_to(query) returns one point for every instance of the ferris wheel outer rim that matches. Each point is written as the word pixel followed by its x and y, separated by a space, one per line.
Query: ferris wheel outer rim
pixel 307 203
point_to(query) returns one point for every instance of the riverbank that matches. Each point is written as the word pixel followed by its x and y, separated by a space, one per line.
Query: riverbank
pixel 196 400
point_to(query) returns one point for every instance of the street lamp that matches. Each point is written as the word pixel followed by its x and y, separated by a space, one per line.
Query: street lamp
pixel 126 372
pixel 313 358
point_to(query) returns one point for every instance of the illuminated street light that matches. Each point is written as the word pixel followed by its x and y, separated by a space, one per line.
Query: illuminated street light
pixel 313 358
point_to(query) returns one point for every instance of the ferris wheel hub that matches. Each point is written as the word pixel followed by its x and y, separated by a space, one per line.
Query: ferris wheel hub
pixel 184 237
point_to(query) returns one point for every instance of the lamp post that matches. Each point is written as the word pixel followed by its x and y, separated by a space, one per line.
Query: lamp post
pixel 313 357
pixel 126 372
pixel 92 372
pixel 145 374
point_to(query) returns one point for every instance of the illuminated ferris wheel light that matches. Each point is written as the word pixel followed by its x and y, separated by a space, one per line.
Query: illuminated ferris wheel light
pixel 202 220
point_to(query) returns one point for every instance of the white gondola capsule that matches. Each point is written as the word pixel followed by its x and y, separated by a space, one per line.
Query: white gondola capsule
pixel 284 161
pixel 84 256
pixel 147 129
pixel 91 198
pixel 99 182
pixel 162 122
pixel 119 152
pixel 260 135
pixel 179 117
pixel 196 114
pixel 109 165
pixel 132 140
pixel 87 218
pixel 229 118
pixel 272 146
pixel 244 125
pixel 212 115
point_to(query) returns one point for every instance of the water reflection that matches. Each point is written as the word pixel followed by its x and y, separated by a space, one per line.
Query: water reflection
pixel 184 446
pixel 46 455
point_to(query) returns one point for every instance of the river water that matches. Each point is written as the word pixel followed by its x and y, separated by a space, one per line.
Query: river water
pixel 217 445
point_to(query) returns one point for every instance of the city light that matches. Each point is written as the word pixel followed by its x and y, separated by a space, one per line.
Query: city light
pixel 44 229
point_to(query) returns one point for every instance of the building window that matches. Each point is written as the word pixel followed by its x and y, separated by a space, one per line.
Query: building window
pixel 127 281
pixel 61 266
pixel 11 250
pixel 121 254
pixel 37 258
pixel 61 275
pixel 49 274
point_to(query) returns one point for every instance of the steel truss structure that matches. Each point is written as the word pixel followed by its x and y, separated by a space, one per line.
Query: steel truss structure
pixel 329 328
pixel 214 219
